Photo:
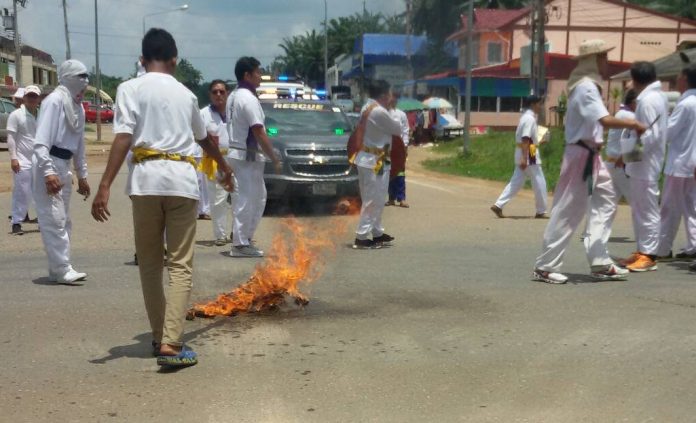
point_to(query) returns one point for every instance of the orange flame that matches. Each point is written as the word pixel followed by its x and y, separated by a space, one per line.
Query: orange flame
pixel 295 259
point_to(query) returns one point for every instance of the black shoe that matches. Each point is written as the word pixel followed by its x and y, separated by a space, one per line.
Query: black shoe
pixel 692 267
pixel 17 229
pixel 384 239
pixel 685 256
pixel 365 244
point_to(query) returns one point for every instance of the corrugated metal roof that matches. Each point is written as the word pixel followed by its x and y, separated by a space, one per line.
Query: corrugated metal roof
pixel 666 66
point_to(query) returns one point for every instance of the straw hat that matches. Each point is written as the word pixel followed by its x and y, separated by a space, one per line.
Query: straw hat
pixel 590 47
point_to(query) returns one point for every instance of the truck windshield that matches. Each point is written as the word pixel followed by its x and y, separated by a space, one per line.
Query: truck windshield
pixel 304 119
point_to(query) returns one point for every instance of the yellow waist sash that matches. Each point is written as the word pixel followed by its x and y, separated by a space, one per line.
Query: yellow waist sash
pixel 208 166
pixel 382 156
pixel 142 154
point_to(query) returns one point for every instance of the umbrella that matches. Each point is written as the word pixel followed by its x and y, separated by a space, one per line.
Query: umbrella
pixel 407 104
pixel 438 103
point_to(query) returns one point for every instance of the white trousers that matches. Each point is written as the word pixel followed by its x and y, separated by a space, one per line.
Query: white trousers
pixel 645 210
pixel 249 199
pixel 519 176
pixel 220 209
pixel 621 189
pixel 21 195
pixel 373 193
pixel 570 204
pixel 678 201
pixel 204 200
pixel 53 212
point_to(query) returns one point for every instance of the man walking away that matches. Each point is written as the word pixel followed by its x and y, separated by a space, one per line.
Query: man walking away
pixel 652 110
pixel 248 145
pixel 21 130
pixel 163 187
pixel 584 177
pixel 397 178
pixel 527 160
pixel 60 138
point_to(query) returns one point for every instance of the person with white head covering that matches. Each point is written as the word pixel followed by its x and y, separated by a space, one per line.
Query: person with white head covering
pixel 60 139
pixel 584 178
pixel 21 130
pixel 18 97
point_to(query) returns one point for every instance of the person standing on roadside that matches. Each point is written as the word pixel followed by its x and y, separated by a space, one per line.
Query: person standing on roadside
pixel 584 177
pixel 249 150
pixel 60 138
pixel 162 186
pixel 21 131
pixel 527 160
pixel 397 178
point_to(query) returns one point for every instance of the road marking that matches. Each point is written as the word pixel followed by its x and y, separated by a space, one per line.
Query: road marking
pixel 436 187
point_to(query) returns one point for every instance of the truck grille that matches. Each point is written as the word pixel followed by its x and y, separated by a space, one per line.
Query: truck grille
pixel 321 169
pixel 325 152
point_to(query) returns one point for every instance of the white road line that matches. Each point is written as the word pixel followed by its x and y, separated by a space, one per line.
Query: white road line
pixel 424 184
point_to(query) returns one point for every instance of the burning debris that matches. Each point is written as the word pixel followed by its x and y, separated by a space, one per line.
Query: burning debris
pixel 295 258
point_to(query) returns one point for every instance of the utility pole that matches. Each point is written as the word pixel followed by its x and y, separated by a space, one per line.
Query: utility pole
pixel 67 36
pixel 326 50
pixel 469 67
pixel 97 71
pixel 532 48
pixel 18 48
pixel 541 55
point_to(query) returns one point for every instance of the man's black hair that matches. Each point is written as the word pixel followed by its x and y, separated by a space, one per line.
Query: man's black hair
pixel 159 45
pixel 378 88
pixel 244 65
pixel 630 96
pixel 215 82
pixel 532 99
pixel 689 72
pixel 643 73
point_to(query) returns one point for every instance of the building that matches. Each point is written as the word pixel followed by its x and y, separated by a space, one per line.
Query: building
pixel 38 68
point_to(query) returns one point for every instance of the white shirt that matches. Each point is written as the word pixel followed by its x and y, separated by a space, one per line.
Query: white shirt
pixel 681 136
pixel 52 130
pixel 614 135
pixel 403 120
pixel 652 102
pixel 243 113
pixel 527 128
pixel 161 114
pixel 585 109
pixel 216 124
pixel 21 130
pixel 381 126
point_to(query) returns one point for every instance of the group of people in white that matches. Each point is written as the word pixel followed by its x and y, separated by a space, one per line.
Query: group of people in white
pixel 644 138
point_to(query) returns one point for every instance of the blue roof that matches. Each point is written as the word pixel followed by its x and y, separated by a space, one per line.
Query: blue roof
pixel 391 45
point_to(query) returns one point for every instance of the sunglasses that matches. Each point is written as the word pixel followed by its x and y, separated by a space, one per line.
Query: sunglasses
pixel 83 75
pixel 220 92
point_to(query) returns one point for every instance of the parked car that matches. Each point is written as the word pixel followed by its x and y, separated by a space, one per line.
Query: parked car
pixel 107 115
pixel 6 107
pixel 310 137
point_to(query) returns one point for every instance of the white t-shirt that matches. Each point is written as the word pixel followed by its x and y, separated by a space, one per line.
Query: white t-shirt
pixel 53 130
pixel 21 130
pixel 381 126
pixel 585 109
pixel 652 102
pixel 216 124
pixel 527 128
pixel 681 136
pixel 403 119
pixel 163 115
pixel 614 135
pixel 243 113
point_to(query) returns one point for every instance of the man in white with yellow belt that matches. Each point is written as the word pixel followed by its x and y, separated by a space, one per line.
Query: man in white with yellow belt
pixel 59 140
pixel 373 163
pixel 214 117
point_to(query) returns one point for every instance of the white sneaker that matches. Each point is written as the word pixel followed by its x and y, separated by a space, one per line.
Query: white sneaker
pixel 245 251
pixel 220 242
pixel 71 276
pixel 611 272
pixel 549 277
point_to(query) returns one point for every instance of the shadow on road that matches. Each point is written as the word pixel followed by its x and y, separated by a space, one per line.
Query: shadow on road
pixel 47 282
pixel 311 207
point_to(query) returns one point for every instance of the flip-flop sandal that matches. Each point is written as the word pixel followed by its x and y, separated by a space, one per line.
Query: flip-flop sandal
pixel 404 205
pixel 185 358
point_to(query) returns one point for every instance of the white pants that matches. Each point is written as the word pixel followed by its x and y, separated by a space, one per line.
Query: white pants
pixel 53 212
pixel 21 195
pixel 678 201
pixel 570 205
pixel 621 189
pixel 204 200
pixel 249 199
pixel 645 210
pixel 519 176
pixel 373 193
pixel 219 209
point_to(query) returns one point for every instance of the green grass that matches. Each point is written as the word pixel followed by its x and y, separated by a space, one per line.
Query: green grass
pixel 491 156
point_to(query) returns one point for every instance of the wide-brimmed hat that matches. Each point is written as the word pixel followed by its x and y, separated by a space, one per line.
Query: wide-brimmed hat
pixel 592 47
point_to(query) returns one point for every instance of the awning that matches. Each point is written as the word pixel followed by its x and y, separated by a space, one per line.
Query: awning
pixel 496 87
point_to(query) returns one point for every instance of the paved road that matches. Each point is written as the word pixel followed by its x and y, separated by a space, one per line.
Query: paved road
pixel 443 327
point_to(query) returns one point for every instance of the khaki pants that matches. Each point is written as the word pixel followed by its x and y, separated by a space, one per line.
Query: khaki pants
pixel 151 216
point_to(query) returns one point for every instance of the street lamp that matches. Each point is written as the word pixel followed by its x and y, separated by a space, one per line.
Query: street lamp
pixel 182 8
pixel 326 49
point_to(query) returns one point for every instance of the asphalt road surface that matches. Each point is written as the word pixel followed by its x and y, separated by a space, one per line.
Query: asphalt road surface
pixel 443 327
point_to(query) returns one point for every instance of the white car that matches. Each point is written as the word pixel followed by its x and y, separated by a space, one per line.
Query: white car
pixel 6 107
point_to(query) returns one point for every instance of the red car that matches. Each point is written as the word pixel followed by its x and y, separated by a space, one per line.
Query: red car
pixel 107 115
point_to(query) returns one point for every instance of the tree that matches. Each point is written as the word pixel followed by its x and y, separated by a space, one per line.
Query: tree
pixel 188 75
pixel 109 84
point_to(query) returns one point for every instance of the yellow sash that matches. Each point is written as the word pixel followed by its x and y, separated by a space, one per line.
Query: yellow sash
pixel 208 166
pixel 142 154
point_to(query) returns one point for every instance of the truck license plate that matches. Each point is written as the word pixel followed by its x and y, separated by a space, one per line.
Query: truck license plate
pixel 324 189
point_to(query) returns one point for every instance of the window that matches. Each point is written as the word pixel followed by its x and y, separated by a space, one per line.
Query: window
pixel 495 53
pixel 510 104
pixel 487 104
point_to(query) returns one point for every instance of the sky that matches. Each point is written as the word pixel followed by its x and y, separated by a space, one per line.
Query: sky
pixel 211 34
